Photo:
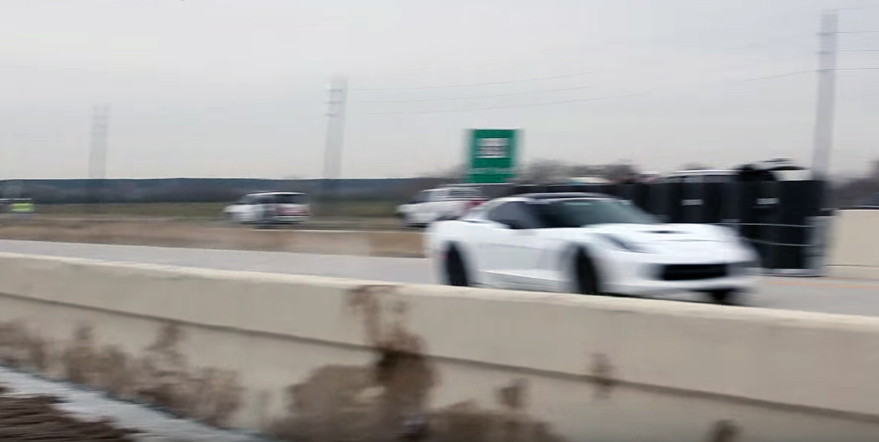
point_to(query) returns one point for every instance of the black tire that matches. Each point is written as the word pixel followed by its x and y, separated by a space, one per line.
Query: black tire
pixel 586 275
pixel 723 297
pixel 402 218
pixel 456 269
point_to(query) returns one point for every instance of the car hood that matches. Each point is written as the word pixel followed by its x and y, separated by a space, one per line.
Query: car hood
pixel 663 233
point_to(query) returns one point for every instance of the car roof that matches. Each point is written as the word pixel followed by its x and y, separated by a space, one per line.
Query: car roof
pixel 456 187
pixel 700 172
pixel 563 195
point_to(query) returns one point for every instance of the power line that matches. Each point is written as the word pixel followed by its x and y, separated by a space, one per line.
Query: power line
pixel 769 77
pixel 522 80
pixel 543 103
pixel 479 96
pixel 750 45
pixel 581 100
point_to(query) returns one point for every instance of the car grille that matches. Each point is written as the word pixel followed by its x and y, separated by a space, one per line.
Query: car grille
pixel 690 272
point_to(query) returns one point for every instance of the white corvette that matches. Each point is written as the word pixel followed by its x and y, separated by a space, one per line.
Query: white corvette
pixel 589 244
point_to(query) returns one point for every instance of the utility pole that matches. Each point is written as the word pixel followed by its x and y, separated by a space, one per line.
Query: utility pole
pixel 826 96
pixel 97 167
pixel 335 137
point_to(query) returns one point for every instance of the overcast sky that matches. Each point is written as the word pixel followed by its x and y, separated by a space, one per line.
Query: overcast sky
pixel 237 88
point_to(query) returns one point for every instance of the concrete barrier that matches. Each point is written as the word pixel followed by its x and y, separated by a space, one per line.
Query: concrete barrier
pixel 175 234
pixel 854 244
pixel 323 359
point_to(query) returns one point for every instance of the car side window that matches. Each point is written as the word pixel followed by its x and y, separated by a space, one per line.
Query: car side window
pixel 518 212
pixel 421 197
pixel 500 214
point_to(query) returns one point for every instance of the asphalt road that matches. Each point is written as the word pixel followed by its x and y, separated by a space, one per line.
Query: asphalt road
pixel 805 294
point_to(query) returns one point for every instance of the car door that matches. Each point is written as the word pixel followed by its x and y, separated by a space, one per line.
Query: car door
pixel 246 211
pixel 511 245
pixel 416 212
pixel 291 205
pixel 255 208
pixel 433 206
pixel 234 212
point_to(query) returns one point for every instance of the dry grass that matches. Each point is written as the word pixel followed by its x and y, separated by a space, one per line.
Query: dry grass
pixel 181 234
pixel 347 209
pixel 163 210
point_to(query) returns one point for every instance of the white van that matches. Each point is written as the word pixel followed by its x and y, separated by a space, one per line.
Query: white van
pixel 270 208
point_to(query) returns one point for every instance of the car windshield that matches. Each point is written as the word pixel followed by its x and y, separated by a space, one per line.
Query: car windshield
pixel 289 198
pixel 464 192
pixel 583 212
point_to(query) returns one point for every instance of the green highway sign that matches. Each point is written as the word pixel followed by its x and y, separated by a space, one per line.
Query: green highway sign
pixel 492 155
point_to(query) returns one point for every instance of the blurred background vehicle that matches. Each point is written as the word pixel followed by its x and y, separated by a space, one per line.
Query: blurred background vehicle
pixel 270 208
pixel 588 180
pixel 20 206
pixel 778 169
pixel 439 203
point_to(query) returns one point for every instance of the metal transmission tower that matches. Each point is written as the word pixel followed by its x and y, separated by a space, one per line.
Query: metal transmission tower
pixel 826 96
pixel 335 136
pixel 97 167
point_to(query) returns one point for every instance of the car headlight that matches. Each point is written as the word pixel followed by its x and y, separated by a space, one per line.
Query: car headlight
pixel 742 241
pixel 623 244
pixel 734 237
pixel 747 267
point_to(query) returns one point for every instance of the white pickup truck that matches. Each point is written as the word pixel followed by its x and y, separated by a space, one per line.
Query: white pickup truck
pixel 439 203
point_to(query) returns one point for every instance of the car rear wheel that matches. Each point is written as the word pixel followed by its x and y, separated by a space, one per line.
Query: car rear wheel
pixel 455 269
pixel 723 297
pixel 587 277
pixel 402 218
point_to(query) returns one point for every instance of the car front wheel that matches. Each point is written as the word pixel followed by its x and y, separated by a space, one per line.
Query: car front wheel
pixel 587 278
pixel 723 297
pixel 402 218
pixel 455 269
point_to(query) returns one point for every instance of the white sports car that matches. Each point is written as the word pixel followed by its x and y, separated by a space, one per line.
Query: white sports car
pixel 590 244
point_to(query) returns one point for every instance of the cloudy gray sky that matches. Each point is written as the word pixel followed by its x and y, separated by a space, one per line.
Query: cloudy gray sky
pixel 223 88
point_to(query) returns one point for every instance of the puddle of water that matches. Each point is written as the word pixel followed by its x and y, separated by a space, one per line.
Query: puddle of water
pixel 155 425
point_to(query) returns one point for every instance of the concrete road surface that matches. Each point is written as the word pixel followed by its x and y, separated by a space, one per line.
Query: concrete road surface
pixel 806 294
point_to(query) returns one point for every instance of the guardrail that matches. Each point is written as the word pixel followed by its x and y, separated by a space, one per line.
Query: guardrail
pixel 307 358
pixel 854 244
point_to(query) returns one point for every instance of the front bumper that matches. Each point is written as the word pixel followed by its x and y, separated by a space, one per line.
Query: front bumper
pixel 642 274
